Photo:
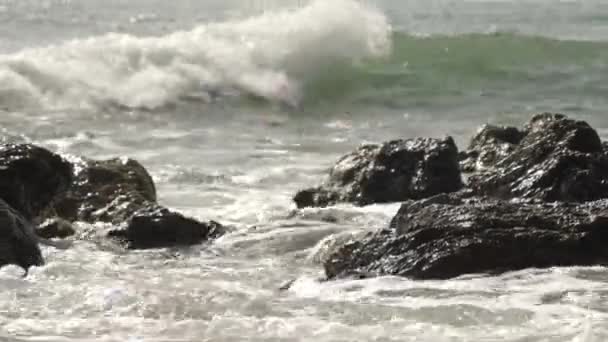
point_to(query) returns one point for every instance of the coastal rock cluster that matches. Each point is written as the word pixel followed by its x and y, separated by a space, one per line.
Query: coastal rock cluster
pixel 533 197
pixel 42 194
pixel 121 192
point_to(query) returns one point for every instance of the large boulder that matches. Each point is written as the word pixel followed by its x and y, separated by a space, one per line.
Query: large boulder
pixel 30 177
pixel 390 172
pixel 121 192
pixel 448 235
pixel 18 243
pixel 558 159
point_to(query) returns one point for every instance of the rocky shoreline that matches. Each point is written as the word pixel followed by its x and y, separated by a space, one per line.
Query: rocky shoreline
pixel 516 198
pixel 43 196
pixel 533 197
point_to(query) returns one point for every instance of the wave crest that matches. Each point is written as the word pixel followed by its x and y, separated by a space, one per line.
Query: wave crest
pixel 270 56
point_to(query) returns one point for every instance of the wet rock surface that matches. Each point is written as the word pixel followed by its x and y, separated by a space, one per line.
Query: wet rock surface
pixel 55 228
pixel 558 159
pixel 489 145
pixel 121 192
pixel 155 226
pixel 537 197
pixel 108 191
pixel 30 177
pixel 18 242
pixel 390 172
pixel 447 236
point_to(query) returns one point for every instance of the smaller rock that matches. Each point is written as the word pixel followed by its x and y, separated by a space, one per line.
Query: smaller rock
pixel 489 145
pixel 55 228
pixel 286 285
pixel 316 197
pixel 391 172
pixel 154 226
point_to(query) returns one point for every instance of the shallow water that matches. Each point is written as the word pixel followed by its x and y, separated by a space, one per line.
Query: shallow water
pixel 233 107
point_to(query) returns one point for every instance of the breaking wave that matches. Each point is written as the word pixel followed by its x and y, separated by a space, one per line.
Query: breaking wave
pixel 268 56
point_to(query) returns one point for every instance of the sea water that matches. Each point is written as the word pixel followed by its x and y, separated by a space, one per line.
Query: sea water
pixel 235 105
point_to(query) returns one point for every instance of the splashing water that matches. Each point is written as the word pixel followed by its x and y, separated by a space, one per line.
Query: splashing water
pixel 265 56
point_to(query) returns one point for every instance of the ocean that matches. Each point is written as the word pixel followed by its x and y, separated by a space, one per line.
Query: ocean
pixel 234 105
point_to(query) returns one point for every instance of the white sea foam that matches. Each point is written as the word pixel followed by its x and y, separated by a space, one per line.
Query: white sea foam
pixel 267 56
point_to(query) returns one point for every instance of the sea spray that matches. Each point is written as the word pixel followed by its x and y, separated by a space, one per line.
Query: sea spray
pixel 266 56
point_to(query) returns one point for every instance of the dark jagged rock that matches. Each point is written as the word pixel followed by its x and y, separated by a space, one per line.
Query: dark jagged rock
pixel 538 198
pixel 30 177
pixel 18 243
pixel 121 192
pixel 489 145
pixel 99 186
pixel 558 159
pixel 154 226
pixel 391 172
pixel 447 236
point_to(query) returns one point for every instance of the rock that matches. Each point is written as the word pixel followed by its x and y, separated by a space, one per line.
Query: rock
pixel 55 228
pixel 447 236
pixel 538 197
pixel 326 247
pixel 154 226
pixel 286 285
pixel 18 243
pixel 121 192
pixel 109 185
pixel 489 145
pixel 391 172
pixel 30 177
pixel 558 159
